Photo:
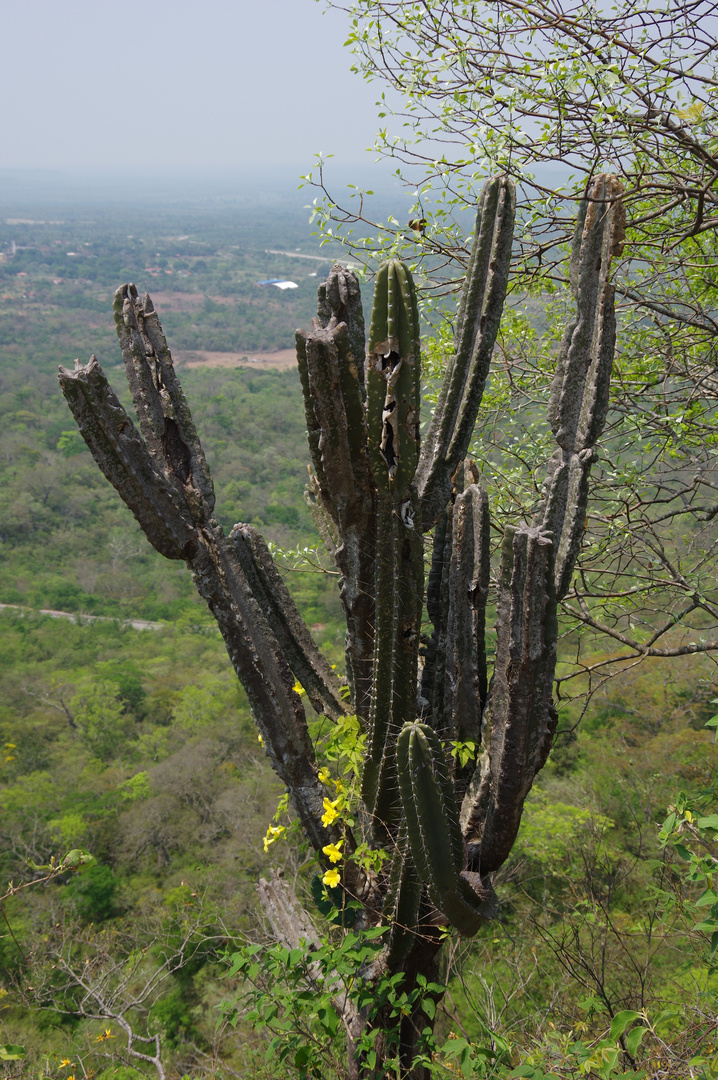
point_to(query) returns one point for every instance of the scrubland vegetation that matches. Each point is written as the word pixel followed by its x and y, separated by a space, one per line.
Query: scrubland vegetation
pixel 138 746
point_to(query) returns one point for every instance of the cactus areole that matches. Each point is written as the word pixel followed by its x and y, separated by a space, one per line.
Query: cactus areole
pixel 446 824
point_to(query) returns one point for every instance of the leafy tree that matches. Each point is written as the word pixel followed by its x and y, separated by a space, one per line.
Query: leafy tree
pixel 551 94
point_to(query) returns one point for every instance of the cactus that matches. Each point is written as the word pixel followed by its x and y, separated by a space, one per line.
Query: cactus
pixel 446 825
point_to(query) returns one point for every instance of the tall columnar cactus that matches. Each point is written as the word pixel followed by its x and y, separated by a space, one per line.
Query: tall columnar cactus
pixel 447 823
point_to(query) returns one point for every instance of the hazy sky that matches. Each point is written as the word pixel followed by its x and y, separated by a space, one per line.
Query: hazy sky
pixel 147 84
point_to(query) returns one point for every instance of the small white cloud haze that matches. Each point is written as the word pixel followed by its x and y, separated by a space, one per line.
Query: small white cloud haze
pixel 152 85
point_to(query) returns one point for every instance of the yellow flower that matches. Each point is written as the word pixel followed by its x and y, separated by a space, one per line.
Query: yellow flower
pixel 324 775
pixel 298 688
pixel 331 878
pixel 330 811
pixel 273 834
pixel 65 1062
pixel 332 851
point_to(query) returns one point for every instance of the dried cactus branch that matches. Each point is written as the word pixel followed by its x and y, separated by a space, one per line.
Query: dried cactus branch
pixel 165 420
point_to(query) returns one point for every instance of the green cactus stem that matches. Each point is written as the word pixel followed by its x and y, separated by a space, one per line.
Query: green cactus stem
pixel 437 606
pixel 393 378
pixel 393 394
pixel 330 366
pixel 479 315
pixel 580 389
pixel 402 903
pixel 432 825
pixel 404 594
pixel 519 719
pixel 468 588
pixel 454 680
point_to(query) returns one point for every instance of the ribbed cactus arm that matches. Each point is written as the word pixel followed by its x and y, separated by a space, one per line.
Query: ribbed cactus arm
pixel 165 482
pixel 402 902
pixel 519 719
pixel 393 397
pixel 454 678
pixel 399 592
pixel 330 359
pixel 468 588
pixel 581 384
pixel 393 373
pixel 579 393
pixel 432 826
pixel 479 315
pixel 308 665
pixel 380 744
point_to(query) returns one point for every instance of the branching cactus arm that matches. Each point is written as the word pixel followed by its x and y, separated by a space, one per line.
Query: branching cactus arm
pixel 537 564
pixel 330 359
pixel 304 658
pixel 166 484
pixel 519 721
pixel 468 589
pixel 477 324
pixel 579 394
pixel 393 399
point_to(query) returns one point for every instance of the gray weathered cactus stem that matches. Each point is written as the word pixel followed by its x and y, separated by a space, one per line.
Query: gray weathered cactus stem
pixel 447 825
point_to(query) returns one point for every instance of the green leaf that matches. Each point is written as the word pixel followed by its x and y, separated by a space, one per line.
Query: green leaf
pixel 620 1022
pixel 710 822
pixel 633 1039
pixel 302 1056
pixel 11 1052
